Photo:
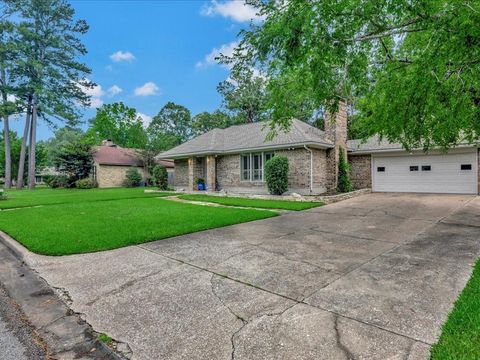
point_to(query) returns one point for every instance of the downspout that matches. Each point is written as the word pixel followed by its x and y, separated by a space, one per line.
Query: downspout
pixel 311 167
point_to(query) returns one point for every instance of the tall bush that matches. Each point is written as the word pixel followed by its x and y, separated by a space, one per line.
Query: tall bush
pixel 132 178
pixel 276 175
pixel 160 177
pixel 343 183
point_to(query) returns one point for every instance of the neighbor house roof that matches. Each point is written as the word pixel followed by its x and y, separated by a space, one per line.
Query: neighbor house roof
pixel 249 137
pixel 116 155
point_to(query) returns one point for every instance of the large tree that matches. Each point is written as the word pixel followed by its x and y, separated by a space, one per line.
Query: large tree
pixel 62 137
pixel 48 76
pixel 119 123
pixel 245 95
pixel 206 121
pixel 170 127
pixel 410 67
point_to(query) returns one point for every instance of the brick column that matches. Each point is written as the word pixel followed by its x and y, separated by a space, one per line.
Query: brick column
pixel 211 173
pixel 191 180
pixel 336 132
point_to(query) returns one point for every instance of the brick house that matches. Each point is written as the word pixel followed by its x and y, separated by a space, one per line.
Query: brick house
pixel 233 160
pixel 111 163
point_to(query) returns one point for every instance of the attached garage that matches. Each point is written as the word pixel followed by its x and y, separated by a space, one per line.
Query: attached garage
pixel 454 173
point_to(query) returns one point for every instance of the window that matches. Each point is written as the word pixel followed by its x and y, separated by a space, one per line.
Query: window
pixel 257 167
pixel 414 168
pixel 381 169
pixel 268 156
pixel 426 167
pixel 252 166
pixel 245 166
pixel 466 167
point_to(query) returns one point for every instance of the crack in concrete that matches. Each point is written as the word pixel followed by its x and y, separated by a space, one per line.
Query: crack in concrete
pixel 338 338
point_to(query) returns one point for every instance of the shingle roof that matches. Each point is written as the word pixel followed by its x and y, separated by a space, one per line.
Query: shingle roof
pixel 372 144
pixel 248 137
pixel 116 155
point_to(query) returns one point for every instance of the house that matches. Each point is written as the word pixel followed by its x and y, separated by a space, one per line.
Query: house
pixel 111 163
pixel 233 160
pixel 43 173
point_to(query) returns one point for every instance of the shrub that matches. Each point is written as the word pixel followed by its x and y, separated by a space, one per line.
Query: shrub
pixel 3 194
pixel 160 177
pixel 343 182
pixel 132 178
pixel 276 175
pixel 58 181
pixel 86 183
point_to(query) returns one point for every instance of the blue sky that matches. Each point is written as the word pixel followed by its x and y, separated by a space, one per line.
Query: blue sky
pixel 146 53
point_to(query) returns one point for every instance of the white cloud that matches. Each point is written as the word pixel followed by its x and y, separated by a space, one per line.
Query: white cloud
pixel 234 9
pixel 96 102
pixel 225 49
pixel 146 119
pixel 95 94
pixel 114 90
pixel 147 89
pixel 11 98
pixel 122 56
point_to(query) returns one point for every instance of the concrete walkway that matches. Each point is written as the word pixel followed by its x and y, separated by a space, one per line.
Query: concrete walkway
pixel 372 277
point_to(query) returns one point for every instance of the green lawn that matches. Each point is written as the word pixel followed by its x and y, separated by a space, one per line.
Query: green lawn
pixel 26 198
pixel 255 203
pixel 82 227
pixel 460 339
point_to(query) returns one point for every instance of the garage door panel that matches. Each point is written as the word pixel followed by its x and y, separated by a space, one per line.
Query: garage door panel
pixel 445 174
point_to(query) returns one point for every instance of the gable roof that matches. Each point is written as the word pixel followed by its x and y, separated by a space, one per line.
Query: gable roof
pixel 116 155
pixel 249 137
pixel 372 144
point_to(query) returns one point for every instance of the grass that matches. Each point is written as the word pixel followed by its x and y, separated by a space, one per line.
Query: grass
pixel 26 198
pixel 82 227
pixel 460 337
pixel 105 339
pixel 255 203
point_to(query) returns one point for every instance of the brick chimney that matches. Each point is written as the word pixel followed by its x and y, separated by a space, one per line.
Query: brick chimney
pixel 108 143
pixel 336 132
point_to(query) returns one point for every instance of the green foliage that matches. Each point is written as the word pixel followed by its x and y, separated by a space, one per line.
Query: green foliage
pixel 411 68
pixel 160 177
pixel 87 183
pixel 343 182
pixel 205 121
pixel 200 181
pixel 3 195
pixel 170 127
pixel 58 181
pixel 62 137
pixel 119 123
pixel 276 175
pixel 255 203
pixel 245 94
pixel 105 339
pixel 75 160
pixel 132 178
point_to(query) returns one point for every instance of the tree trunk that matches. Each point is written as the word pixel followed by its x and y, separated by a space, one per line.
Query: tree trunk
pixel 6 137
pixel 23 150
pixel 8 154
pixel 32 148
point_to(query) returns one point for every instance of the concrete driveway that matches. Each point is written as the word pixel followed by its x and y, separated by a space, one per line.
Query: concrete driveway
pixel 372 277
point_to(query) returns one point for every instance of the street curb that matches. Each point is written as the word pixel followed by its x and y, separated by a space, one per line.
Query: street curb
pixel 66 335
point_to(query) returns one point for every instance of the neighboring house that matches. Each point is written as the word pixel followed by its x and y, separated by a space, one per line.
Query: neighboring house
pixel 233 160
pixel 111 163
pixel 40 174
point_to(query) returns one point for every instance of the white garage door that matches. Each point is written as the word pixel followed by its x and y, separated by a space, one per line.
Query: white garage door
pixel 445 173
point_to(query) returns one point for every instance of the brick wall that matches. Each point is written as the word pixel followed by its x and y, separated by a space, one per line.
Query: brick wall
pixel 360 171
pixel 181 174
pixel 113 175
pixel 228 172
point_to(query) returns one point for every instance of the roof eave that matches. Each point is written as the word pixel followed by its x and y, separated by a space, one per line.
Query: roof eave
pixel 313 144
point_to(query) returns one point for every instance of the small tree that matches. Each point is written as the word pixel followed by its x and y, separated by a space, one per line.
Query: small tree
pixel 132 178
pixel 276 175
pixel 160 177
pixel 75 160
pixel 343 183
